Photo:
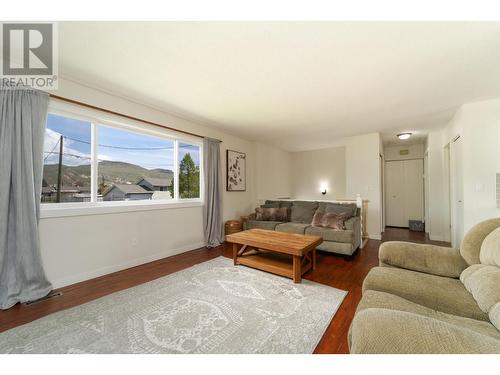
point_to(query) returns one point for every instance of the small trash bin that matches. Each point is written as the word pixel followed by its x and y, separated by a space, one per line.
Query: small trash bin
pixel 416 225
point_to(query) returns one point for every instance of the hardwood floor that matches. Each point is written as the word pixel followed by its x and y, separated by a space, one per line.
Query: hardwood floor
pixel 337 271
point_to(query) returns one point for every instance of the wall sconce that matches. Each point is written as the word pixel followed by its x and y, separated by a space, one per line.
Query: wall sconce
pixel 322 188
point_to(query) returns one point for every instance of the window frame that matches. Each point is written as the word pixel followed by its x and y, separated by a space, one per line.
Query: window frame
pixel 96 118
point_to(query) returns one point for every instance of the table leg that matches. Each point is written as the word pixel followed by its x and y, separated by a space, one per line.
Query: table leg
pixel 314 259
pixel 235 253
pixel 297 269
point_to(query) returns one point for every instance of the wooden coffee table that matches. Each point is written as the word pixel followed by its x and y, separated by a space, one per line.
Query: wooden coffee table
pixel 284 254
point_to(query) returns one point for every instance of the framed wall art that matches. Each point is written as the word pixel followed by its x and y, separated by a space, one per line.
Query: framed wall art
pixel 235 171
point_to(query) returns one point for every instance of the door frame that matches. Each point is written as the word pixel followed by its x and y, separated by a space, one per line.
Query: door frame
pixel 384 183
pixel 382 193
pixel 453 191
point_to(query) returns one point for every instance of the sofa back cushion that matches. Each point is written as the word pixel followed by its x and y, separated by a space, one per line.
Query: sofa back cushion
pixel 483 282
pixel 271 214
pixel 271 203
pixel 349 209
pixel 303 212
pixel 471 244
pixel 490 249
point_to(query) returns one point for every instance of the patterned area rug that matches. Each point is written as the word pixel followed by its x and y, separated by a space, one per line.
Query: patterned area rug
pixel 212 307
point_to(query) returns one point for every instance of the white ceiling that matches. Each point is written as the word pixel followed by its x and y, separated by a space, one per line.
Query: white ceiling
pixel 297 85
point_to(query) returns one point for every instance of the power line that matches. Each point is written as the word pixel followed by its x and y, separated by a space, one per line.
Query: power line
pixel 59 140
pixel 127 148
pixel 66 154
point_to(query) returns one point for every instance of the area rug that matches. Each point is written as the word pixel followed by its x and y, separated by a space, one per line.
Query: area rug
pixel 213 307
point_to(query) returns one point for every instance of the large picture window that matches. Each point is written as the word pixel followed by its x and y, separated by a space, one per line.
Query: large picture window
pixel 189 171
pixel 134 166
pixel 87 161
pixel 66 160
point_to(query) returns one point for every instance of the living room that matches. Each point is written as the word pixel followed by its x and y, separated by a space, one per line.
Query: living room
pixel 211 192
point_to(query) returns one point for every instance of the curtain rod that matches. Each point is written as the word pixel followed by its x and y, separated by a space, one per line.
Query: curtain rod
pixel 126 116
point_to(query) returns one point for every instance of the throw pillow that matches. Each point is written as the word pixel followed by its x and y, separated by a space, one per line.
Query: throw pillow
pixel 329 220
pixel 271 214
pixel 338 208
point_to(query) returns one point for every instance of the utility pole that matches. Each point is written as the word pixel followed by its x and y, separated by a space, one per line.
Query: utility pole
pixel 59 171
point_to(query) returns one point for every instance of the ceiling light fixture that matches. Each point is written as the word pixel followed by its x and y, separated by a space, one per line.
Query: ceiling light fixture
pixel 404 135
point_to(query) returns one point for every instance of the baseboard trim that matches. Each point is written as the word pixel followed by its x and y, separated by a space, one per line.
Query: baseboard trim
pixel 62 282
pixel 435 238
pixel 375 237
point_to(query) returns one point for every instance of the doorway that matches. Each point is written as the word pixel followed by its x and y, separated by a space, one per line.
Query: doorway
pixel 404 192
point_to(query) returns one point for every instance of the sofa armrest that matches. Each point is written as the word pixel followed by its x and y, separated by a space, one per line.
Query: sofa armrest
pixel 385 331
pixel 354 224
pixel 436 260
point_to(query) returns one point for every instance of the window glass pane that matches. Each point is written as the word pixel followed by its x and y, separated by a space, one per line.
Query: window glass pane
pixel 72 171
pixel 189 171
pixel 134 166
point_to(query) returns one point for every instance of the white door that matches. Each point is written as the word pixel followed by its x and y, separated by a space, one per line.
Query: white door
pixel 404 192
pixel 394 194
pixel 457 193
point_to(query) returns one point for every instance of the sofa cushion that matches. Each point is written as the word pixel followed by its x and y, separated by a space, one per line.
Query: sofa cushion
pixel 286 204
pixel 432 259
pixel 379 330
pixel 483 281
pixel 338 208
pixel 352 223
pixel 375 299
pixel 435 292
pixel 490 249
pixel 275 203
pixel 297 228
pixel 269 225
pixel 303 212
pixel 495 315
pixel 268 201
pixel 471 244
pixel 270 205
pixel 328 234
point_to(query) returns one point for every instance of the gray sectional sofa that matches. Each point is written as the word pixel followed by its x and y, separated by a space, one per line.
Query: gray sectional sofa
pixel 300 217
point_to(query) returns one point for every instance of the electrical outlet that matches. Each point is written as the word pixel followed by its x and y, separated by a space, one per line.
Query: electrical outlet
pixel 134 241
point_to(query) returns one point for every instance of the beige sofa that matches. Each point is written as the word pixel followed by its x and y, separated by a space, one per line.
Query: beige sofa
pixel 344 242
pixel 431 299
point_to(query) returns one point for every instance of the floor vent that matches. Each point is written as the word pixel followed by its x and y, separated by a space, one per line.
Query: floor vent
pixel 50 296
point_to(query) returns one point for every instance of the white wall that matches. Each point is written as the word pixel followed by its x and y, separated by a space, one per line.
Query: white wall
pixel 415 151
pixel 351 168
pixel 273 172
pixel 478 124
pixel 81 247
pixel 363 177
pixel 313 169
pixel 481 160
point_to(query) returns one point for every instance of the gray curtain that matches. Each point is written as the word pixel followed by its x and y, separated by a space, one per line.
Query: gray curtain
pixel 212 210
pixel 23 115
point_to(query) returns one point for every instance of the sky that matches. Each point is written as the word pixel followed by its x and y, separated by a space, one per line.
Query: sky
pixel 114 145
